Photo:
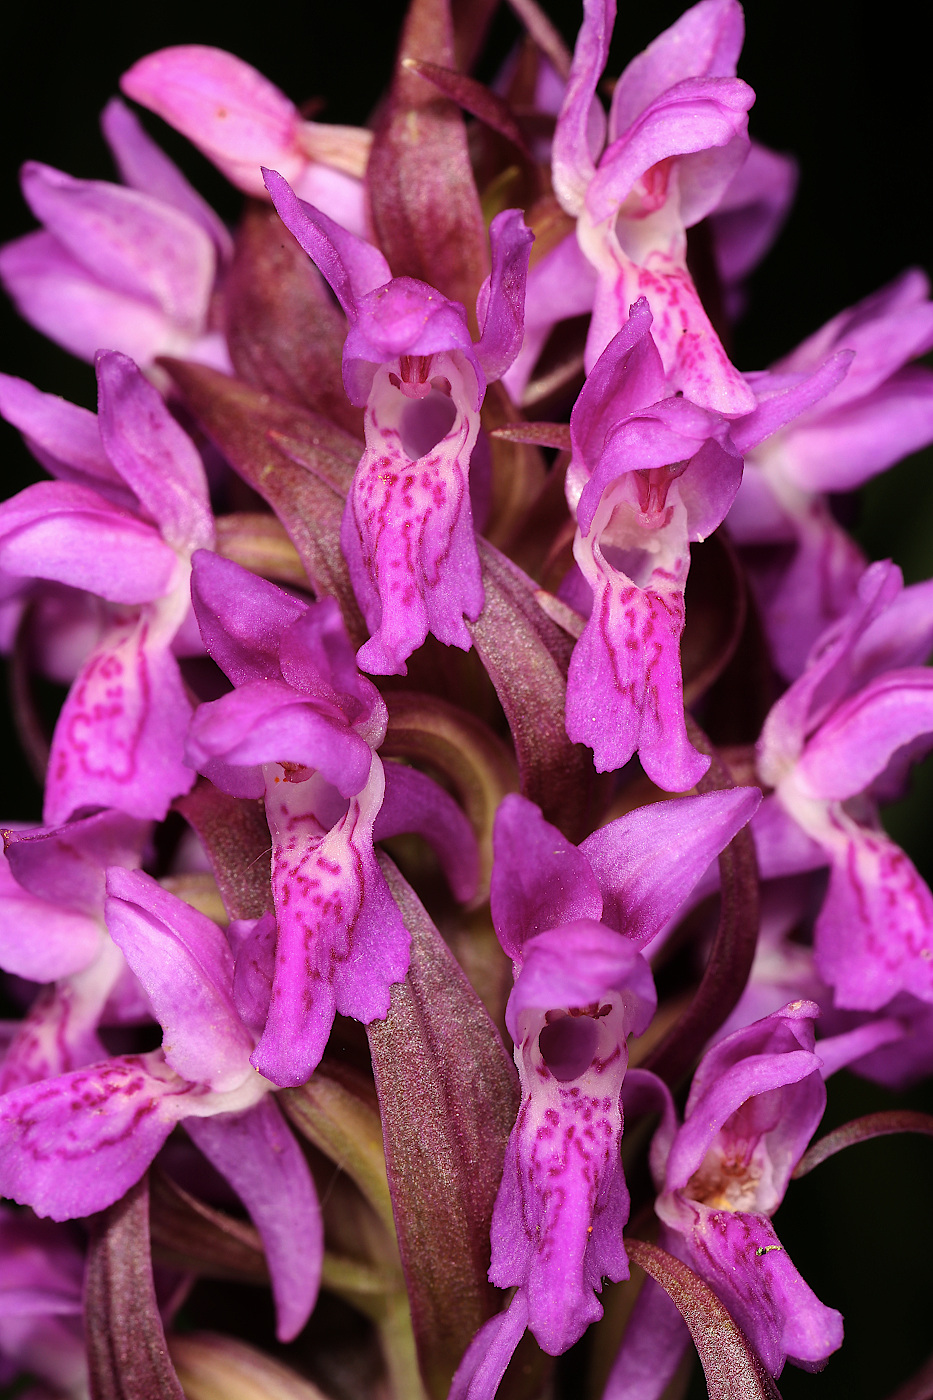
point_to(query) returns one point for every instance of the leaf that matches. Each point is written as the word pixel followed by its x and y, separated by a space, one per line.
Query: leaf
pixel 527 655
pixel 423 199
pixel 235 835
pixel 542 434
pixel 126 1351
pixel 259 542
pixel 335 1110
pixel 733 949
pixel 477 763
pixel 733 1370
pixel 213 1367
pixel 477 99
pixel 188 1234
pixel 261 437
pixel 872 1125
pixel 448 1096
pixel 284 332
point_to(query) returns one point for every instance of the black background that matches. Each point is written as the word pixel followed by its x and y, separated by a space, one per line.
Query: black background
pixel 849 93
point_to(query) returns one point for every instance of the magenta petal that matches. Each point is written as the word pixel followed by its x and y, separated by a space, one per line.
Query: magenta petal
pixel 653 1346
pixel 65 865
pixel 627 376
pixel 581 125
pixel 407 535
pixel 352 266
pixel 135 244
pixel 231 112
pixel 501 303
pixel 54 292
pixel 413 802
pixel 64 438
pixel 739 1254
pixel 782 397
pixel 874 935
pixel 119 738
pixel 70 534
pixel 241 617
pixel 269 722
pixel 263 1163
pixel 539 879
pixel 842 449
pixel 858 740
pixel 185 966
pixel 706 41
pixel 341 940
pixel 625 688
pixel 39 940
pixel 488 1355
pixel 154 456
pixel 648 862
pixel 145 167
pixel 73 1145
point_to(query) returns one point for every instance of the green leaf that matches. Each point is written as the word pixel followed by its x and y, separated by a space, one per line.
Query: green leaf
pixel 526 655
pixel 301 464
pixel 872 1125
pixel 126 1352
pixel 448 1096
pixel 235 835
pixel 733 1370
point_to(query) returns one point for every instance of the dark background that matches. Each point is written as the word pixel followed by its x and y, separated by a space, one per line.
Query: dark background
pixel 851 98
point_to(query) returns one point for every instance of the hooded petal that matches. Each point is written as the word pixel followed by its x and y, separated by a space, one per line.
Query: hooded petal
pixel 154 456
pixel 135 244
pixel 539 880
pixel 501 302
pixel 79 310
pixel 231 112
pixel 72 535
pixel 185 966
pixel 145 167
pixel 241 617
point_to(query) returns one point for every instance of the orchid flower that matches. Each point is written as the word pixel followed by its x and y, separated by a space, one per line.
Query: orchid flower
pixel 675 137
pixel 242 122
pixel 301 730
pixel 581 989
pixel 73 1144
pixel 881 411
pixel 131 267
pixel 649 474
pixel 121 522
pixel 409 358
pixel 41 1277
pixel 52 931
pixel 754 1104
pixel 839 738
